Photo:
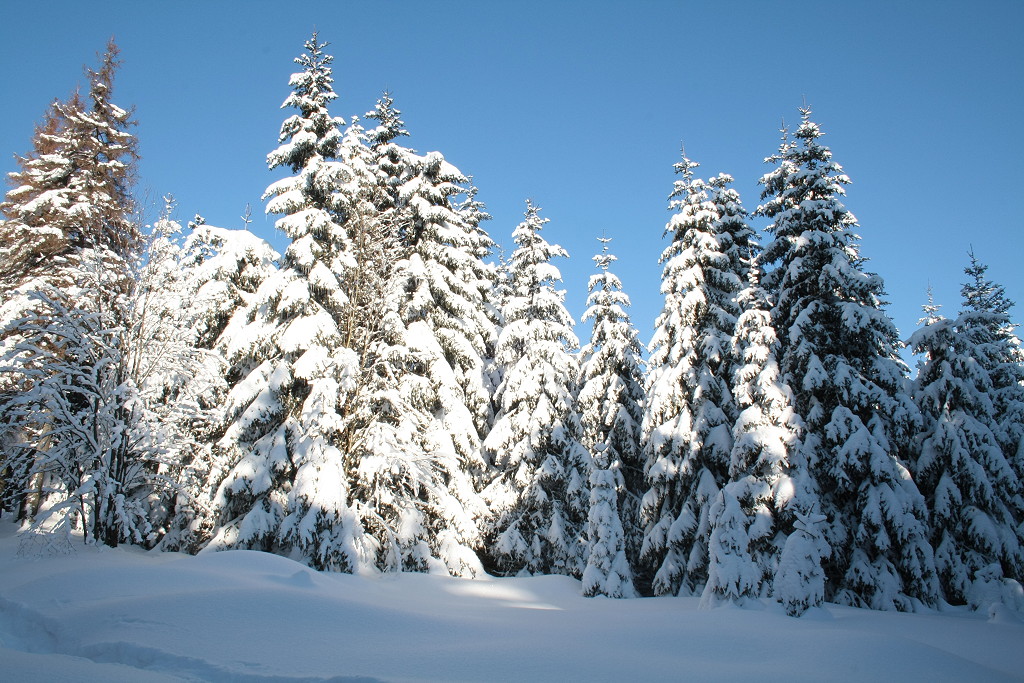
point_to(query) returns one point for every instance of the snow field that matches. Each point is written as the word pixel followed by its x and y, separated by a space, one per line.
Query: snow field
pixel 128 615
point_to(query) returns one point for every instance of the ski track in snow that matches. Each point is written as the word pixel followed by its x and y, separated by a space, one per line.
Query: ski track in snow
pixel 128 615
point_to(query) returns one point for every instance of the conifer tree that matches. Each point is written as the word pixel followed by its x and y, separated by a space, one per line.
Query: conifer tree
pixel 611 397
pixel 428 384
pixel 966 480
pixel 391 162
pixel 689 412
pixel 769 488
pixel 539 498
pixel 72 193
pixel 288 491
pixel 374 248
pixel 69 249
pixel 607 571
pixel 840 356
pixel 986 321
pixel 220 272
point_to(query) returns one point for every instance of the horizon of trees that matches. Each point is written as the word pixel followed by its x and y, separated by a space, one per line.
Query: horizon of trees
pixel 384 396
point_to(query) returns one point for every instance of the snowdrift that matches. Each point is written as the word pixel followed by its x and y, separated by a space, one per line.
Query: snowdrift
pixel 127 615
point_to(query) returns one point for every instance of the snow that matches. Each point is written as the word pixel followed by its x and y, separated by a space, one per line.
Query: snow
pixel 104 614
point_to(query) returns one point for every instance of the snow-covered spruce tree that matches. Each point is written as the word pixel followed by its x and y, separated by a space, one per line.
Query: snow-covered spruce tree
pixel 840 356
pixel 219 270
pixel 611 397
pixel 799 580
pixel 375 249
pixel 689 412
pixel 288 491
pixel 447 288
pixel 487 281
pixel 985 320
pixel 70 209
pixel 769 489
pixel 539 498
pixel 390 162
pixel 963 474
pixel 607 571
pixel 418 215
pixel 427 388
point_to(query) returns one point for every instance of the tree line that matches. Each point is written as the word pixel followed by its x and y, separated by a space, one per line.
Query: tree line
pixel 387 396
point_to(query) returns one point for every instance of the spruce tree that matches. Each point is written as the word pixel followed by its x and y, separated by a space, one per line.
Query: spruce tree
pixel 611 396
pixel 607 571
pixel 967 482
pixel 431 351
pixel 288 491
pixel 986 321
pixel 689 413
pixel 767 479
pixel 220 272
pixel 840 356
pixel 539 498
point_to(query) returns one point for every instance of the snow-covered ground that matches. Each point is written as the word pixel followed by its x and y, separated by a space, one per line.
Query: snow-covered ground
pixel 127 615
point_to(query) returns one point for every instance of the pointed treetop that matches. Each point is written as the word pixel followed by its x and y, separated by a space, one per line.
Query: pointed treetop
pixel 314 85
pixel 604 259
pixel 390 119
pixel 981 294
pixel 101 82
pixel 685 166
pixel 931 310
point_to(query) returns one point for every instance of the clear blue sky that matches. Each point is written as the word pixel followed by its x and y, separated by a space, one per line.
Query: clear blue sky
pixel 582 107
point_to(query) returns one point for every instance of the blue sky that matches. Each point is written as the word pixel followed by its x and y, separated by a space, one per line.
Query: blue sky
pixel 583 110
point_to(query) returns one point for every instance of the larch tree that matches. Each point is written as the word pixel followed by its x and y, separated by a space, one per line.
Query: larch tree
pixel 85 436
pixel 688 418
pixel 839 354
pixel 610 399
pixel 539 498
pixel 72 194
pixel 288 490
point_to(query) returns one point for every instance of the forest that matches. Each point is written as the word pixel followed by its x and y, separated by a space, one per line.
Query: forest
pixel 394 393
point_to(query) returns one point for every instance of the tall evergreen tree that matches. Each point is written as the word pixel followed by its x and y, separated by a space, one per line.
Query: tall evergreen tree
pixel 689 412
pixel 430 359
pixel 539 499
pixel 288 492
pixel 840 355
pixel 72 193
pixel 962 472
pixel 69 216
pixel 611 397
pixel 220 271
pixel 986 321
pixel 769 489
